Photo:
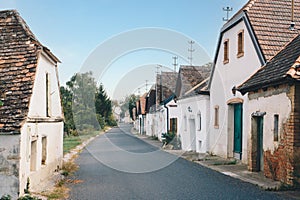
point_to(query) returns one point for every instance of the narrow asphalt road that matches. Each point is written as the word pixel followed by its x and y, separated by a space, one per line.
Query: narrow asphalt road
pixel 118 165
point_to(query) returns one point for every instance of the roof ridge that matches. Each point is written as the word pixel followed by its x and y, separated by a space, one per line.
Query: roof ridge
pixel 249 5
pixel 25 27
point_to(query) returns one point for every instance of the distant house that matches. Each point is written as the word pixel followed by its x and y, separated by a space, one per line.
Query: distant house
pixel 192 98
pixel 273 93
pixel 247 41
pixel 141 113
pixel 31 120
pixel 162 116
pixel 150 108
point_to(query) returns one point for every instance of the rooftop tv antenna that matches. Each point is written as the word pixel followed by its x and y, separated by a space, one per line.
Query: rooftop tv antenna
pixel 139 91
pixel 175 62
pixel 146 85
pixel 158 71
pixel 227 10
pixel 191 50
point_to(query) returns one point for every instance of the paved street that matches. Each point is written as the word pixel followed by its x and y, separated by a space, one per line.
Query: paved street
pixel 118 165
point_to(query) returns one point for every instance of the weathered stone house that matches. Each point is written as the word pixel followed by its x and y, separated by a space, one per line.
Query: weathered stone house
pixel 274 103
pixel 31 121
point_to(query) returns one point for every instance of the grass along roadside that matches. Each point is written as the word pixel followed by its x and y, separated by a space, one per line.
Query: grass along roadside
pixel 71 142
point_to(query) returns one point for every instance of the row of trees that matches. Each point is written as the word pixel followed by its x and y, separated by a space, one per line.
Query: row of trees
pixel 85 105
pixel 128 105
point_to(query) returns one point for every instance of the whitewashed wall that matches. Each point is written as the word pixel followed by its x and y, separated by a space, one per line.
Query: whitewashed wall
pixel 194 123
pixel 53 131
pixel 225 77
pixel 54 134
pixel 9 159
pixel 157 122
pixel 278 104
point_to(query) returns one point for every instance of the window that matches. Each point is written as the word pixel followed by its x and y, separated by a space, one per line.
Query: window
pixel 226 51
pixel 48 95
pixel 33 155
pixel 185 123
pixel 240 49
pixel 216 117
pixel 44 150
pixel 276 127
pixel 199 121
pixel 173 125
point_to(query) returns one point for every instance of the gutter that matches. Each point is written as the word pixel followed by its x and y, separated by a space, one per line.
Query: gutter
pixel 167 116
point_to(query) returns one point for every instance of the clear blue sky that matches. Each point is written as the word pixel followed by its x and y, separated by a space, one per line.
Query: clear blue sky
pixel 72 29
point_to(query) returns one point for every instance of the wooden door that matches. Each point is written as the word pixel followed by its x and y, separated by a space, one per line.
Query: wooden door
pixel 238 127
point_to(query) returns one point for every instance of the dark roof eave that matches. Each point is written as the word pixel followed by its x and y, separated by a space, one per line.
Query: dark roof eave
pixel 244 89
pixel 204 92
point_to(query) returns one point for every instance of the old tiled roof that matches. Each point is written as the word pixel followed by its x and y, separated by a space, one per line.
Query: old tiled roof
pixel 275 71
pixel 19 50
pixel 150 101
pixel 191 76
pixel 166 84
pixel 270 21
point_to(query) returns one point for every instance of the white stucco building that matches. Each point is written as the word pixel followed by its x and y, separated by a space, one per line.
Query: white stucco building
pixel 31 120
pixel 247 41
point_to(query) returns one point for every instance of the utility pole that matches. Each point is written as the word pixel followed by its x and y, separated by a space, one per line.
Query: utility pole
pixel 156 85
pixel 228 10
pixel 146 85
pixel 175 62
pixel 139 91
pixel 191 50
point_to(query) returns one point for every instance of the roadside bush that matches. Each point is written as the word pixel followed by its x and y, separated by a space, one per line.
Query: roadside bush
pixel 101 121
pixel 28 197
pixel 6 197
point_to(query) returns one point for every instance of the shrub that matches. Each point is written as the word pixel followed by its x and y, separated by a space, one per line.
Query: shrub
pixel 6 197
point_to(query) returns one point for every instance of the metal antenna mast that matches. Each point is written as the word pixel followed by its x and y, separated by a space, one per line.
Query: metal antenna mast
pixel 156 85
pixel 228 10
pixel 175 62
pixel 191 50
pixel 146 85
pixel 139 91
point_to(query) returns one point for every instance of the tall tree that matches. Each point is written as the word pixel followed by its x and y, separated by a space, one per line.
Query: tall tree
pixel 85 105
pixel 103 106
pixel 128 105
pixel 66 97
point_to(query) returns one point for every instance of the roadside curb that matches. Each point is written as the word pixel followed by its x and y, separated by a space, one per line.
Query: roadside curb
pixel 238 171
pixel 73 152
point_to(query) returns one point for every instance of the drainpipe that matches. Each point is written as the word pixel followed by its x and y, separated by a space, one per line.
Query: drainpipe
pixel 167 117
